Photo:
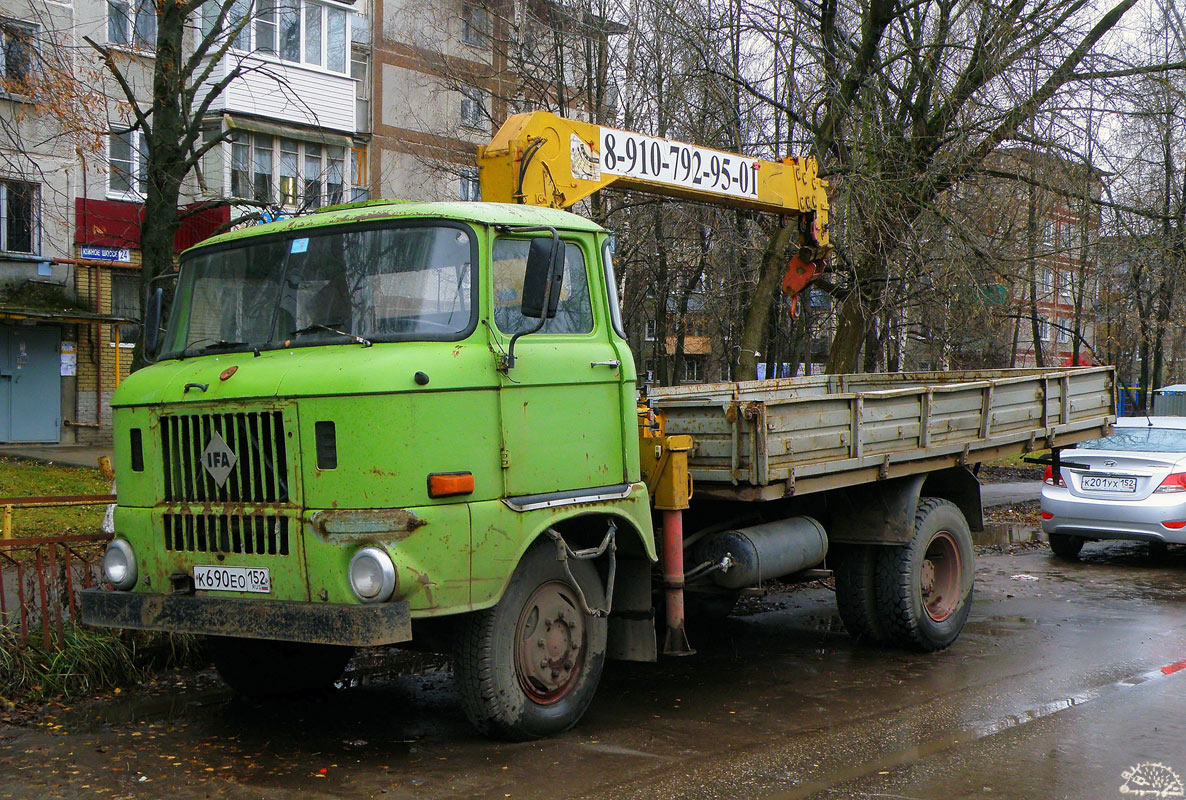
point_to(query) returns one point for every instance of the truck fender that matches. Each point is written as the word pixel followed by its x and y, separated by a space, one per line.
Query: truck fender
pixel 631 635
pixel 883 512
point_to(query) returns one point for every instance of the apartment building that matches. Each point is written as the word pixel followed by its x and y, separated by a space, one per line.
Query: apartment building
pixel 295 121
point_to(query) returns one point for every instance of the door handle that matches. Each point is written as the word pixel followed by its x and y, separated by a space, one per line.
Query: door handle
pixel 615 363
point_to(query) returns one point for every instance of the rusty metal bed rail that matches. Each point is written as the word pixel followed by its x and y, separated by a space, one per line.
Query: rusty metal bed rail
pixel 760 440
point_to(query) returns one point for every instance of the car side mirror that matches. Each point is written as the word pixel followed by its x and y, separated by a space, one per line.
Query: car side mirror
pixel 152 322
pixel 545 267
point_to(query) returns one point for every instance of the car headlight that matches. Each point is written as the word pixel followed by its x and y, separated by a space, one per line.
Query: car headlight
pixel 372 575
pixel 119 564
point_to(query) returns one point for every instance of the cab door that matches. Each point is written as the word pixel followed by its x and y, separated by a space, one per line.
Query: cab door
pixel 560 404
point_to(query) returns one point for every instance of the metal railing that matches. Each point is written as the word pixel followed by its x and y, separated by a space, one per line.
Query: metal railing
pixel 40 579
pixel 40 576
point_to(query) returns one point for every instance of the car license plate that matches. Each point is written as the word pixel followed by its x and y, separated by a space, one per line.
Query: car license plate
pixel 1108 483
pixel 232 579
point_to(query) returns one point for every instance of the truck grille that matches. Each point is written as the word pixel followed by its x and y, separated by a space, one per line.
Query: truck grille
pixel 260 473
pixel 259 534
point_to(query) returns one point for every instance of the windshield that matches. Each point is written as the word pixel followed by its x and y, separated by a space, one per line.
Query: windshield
pixel 1142 439
pixel 326 286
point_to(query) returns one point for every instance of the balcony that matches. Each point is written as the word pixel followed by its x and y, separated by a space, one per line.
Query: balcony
pixel 286 92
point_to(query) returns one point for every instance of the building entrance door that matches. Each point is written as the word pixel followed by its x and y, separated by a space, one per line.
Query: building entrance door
pixel 30 384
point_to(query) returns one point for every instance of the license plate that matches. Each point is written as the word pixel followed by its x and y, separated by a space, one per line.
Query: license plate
pixel 1107 483
pixel 232 579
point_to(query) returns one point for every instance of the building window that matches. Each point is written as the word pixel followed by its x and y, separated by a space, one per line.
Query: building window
pixel 1045 284
pixel 132 22
pixel 650 330
pixel 18 206
pixel 265 26
pixel 470 188
pixel 16 55
pixel 473 108
pixel 273 170
pixel 127 160
pixel 1064 335
pixel 475 25
pixel 125 302
pixel 359 188
pixel 693 370
pixel 299 31
pixel 1066 288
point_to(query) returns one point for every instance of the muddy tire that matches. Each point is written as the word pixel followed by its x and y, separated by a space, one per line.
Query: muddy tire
pixel 855 571
pixel 1064 546
pixel 528 668
pixel 260 667
pixel 924 587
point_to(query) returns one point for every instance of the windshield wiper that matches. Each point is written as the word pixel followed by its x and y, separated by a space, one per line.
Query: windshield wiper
pixel 317 326
pixel 221 344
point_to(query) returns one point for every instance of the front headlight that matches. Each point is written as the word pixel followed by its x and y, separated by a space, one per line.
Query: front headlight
pixel 372 575
pixel 119 564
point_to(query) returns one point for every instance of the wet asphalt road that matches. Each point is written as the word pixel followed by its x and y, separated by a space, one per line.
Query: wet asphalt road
pixel 1066 678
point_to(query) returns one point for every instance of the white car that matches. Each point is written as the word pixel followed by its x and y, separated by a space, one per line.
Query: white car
pixel 1130 485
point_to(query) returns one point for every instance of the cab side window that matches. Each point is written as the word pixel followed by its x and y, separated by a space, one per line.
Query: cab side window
pixel 575 313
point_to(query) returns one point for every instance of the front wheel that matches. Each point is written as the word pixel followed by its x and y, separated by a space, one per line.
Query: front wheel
pixel 924 587
pixel 529 667
pixel 259 667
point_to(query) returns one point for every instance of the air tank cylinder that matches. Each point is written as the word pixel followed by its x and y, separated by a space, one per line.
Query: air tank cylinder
pixel 763 552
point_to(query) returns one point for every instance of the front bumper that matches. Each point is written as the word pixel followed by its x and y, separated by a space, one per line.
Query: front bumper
pixel 318 623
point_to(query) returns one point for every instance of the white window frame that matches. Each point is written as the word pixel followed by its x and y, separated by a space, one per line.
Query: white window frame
pixel 34 213
pixel 1063 335
pixel 251 33
pixel 473 108
pixel 137 173
pixel 470 190
pixel 694 370
pixel 132 9
pixel 650 330
pixel 1066 288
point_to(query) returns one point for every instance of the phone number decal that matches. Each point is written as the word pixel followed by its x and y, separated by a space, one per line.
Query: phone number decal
pixel 677 164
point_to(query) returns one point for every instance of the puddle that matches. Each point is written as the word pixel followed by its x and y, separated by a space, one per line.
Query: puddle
pixel 1003 533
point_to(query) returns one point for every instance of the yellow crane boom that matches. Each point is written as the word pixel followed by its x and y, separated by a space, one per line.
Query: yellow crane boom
pixel 541 159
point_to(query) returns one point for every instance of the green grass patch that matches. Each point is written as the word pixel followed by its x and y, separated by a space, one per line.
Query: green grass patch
pixel 21 478
pixel 89 660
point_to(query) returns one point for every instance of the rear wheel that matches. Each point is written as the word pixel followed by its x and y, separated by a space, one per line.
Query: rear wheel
pixel 924 587
pixel 259 667
pixel 529 667
pixel 855 570
pixel 1065 546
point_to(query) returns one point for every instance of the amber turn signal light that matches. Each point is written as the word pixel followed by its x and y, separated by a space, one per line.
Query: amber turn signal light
pixel 446 484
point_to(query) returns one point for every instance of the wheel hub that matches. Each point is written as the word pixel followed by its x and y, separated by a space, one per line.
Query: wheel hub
pixel 549 643
pixel 940 577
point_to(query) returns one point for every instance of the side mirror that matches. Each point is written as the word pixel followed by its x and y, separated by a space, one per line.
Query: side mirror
pixel 545 260
pixel 152 322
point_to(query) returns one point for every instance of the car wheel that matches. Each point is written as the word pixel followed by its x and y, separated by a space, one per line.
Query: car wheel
pixel 261 667
pixel 1065 546
pixel 529 667
pixel 924 587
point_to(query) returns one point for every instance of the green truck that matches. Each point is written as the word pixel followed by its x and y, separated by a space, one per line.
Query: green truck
pixel 417 424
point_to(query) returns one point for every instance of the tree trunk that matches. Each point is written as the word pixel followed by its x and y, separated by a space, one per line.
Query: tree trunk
pixel 774 262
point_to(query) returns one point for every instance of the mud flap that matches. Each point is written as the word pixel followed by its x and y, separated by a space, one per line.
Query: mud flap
pixel 632 623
